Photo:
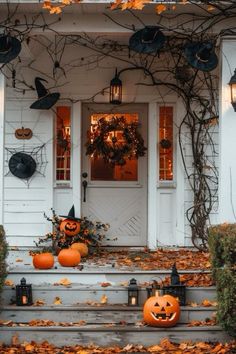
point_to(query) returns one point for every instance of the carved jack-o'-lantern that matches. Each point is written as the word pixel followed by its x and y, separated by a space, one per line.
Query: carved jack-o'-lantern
pixel 23 133
pixel 70 227
pixel 161 311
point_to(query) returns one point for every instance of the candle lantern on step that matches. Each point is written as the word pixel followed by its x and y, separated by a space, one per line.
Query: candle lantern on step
pixel 175 288
pixel 133 293
pixel 24 294
pixel 153 289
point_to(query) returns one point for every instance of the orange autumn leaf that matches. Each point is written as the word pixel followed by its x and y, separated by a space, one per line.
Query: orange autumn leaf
pixel 9 282
pixel 105 284
pixel 160 8
pixel 104 299
pixel 57 301
pixel 39 302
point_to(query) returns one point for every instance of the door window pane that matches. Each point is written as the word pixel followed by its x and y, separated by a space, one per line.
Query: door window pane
pixel 105 171
pixel 63 144
pixel 166 143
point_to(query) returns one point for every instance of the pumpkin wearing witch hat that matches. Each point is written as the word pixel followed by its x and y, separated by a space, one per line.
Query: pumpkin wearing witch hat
pixel 10 48
pixel 70 225
pixel 45 99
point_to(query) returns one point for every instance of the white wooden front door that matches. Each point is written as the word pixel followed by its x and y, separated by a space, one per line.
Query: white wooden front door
pixel 116 194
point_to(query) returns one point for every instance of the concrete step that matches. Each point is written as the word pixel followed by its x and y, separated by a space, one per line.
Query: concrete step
pixel 91 274
pixel 112 335
pixel 78 293
pixel 96 314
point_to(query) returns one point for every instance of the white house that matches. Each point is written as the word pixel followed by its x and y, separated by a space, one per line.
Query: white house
pixel 77 52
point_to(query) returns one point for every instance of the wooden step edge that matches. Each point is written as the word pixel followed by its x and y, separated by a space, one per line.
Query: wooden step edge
pixel 100 270
pixel 115 328
pixel 97 287
pixel 114 307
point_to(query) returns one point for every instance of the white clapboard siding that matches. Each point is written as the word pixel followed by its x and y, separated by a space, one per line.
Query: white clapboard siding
pixel 25 204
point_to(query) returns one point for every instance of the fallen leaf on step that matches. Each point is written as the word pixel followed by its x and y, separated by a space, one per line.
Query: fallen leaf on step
pixel 104 284
pixel 140 324
pixel 15 340
pixel 29 347
pixel 6 323
pixel 19 260
pixel 166 344
pixel 155 348
pixel 39 302
pixel 208 303
pixel 57 301
pixel 64 281
pixel 9 282
pixel 128 347
pixel 103 299
pixel 193 304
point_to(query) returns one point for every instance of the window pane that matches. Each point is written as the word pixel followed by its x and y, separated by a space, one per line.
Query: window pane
pixel 166 144
pixel 105 171
pixel 63 143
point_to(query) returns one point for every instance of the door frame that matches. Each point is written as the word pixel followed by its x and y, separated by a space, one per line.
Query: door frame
pixel 152 179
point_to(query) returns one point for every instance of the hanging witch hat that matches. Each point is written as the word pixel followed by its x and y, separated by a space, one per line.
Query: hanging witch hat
pixel 10 47
pixel 45 99
pixel 71 214
pixel 201 55
pixel 22 165
pixel 147 40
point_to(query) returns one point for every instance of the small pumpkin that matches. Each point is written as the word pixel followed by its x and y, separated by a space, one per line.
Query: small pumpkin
pixel 43 260
pixel 23 133
pixel 68 257
pixel 161 311
pixel 70 227
pixel 81 247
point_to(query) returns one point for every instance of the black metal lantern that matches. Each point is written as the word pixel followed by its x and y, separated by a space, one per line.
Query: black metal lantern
pixel 24 294
pixel 153 289
pixel 232 84
pixel 133 293
pixel 116 90
pixel 175 288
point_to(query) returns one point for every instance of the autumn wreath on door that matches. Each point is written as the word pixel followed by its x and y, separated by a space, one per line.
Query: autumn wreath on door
pixel 115 140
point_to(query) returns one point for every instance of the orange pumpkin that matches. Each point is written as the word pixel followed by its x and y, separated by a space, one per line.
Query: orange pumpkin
pixel 70 227
pixel 81 247
pixel 68 257
pixel 161 311
pixel 43 260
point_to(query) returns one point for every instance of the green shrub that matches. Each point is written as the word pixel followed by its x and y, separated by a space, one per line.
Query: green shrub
pixel 222 245
pixel 3 255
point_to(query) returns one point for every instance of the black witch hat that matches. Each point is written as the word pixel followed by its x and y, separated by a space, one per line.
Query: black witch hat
pixel 45 99
pixel 10 47
pixel 71 214
pixel 147 40
pixel 22 165
pixel 201 55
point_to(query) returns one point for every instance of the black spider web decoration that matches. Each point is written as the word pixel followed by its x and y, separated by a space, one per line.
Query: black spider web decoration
pixel 38 153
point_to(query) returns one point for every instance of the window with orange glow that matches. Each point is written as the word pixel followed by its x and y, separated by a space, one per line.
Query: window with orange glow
pixel 63 144
pixel 166 144
pixel 105 171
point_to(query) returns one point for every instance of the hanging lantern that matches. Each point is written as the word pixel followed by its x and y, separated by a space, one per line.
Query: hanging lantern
pixel 24 294
pixel 175 288
pixel 133 293
pixel 116 90
pixel 232 84
pixel 153 289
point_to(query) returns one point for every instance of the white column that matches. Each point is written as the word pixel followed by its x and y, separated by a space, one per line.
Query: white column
pixel 2 119
pixel 76 156
pixel 227 137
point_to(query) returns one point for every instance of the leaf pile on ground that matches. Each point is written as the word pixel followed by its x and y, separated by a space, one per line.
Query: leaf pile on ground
pixel 164 347
pixel 151 260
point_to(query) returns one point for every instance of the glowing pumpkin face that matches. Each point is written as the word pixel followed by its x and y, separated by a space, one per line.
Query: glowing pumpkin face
pixel 70 227
pixel 161 311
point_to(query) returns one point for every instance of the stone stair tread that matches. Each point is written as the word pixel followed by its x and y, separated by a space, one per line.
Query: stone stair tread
pixel 111 328
pixel 28 269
